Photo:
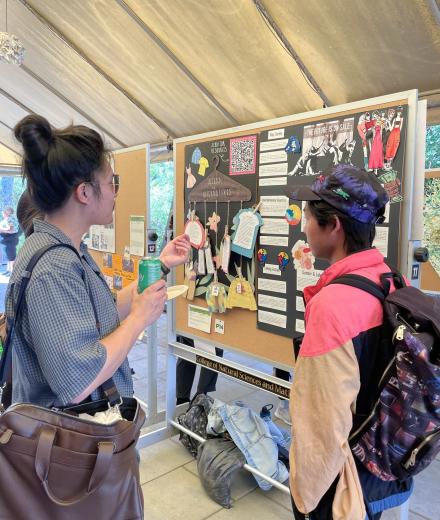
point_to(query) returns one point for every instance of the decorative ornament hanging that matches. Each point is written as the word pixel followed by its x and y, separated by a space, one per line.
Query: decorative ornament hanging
pixel 11 48
pixel 225 251
pixel 225 248
pixel 190 280
pixel 213 221
pixel 210 269
pixel 241 294
pixel 247 223
pixel 195 231
pixel 201 265
pixel 216 295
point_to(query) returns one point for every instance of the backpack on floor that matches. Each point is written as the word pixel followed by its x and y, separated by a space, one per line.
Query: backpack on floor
pixel 401 435
pixel 196 420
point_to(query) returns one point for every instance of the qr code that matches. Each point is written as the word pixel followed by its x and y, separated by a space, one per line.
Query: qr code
pixel 243 155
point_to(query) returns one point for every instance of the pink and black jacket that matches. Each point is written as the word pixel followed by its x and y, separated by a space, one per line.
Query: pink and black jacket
pixel 338 365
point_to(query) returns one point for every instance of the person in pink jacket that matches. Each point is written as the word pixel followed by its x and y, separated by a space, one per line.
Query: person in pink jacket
pixel 336 368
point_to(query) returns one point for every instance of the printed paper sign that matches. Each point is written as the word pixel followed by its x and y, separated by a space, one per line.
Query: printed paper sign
pixel 330 140
pixel 137 235
pixel 299 326
pixel 273 206
pixel 300 304
pixel 275 134
pixel 277 320
pixel 274 226
pixel 265 284
pixel 273 181
pixel 109 281
pixel 272 270
pixel 381 240
pixel 199 318
pixel 219 326
pixel 306 278
pixel 272 302
pixel 272 170
pixel 271 157
pixel 387 213
pixel 273 145
pixel 303 217
pixel 266 240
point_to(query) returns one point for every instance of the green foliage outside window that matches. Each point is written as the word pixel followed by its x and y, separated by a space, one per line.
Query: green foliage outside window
pixel 161 196
pixel 432 156
pixel 431 209
pixel 431 214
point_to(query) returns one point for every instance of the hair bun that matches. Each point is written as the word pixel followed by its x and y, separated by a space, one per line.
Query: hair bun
pixel 35 134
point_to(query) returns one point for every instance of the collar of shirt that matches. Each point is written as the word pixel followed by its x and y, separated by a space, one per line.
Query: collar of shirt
pixel 41 226
pixel 350 263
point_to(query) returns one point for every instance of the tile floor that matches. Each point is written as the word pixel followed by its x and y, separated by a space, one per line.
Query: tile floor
pixel 171 486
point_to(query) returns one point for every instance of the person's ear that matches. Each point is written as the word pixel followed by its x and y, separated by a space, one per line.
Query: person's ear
pixel 83 193
pixel 336 225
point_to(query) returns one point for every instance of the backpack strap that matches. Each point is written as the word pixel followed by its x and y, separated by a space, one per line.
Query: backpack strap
pixel 365 284
pixel 108 387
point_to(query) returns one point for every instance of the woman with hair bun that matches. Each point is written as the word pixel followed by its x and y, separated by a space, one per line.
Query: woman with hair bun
pixel 60 353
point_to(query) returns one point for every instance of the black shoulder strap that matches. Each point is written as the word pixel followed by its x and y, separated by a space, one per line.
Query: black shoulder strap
pixel 363 283
pixel 108 386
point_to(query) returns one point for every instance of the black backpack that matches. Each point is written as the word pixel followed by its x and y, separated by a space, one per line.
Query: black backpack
pixel 195 419
pixel 401 434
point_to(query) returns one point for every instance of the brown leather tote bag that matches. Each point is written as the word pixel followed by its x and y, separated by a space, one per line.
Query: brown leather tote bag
pixel 57 466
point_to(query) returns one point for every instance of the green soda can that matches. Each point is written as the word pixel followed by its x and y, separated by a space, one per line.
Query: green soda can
pixel 150 266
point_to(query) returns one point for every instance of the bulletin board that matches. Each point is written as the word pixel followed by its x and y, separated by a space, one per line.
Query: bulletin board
pixel 244 330
pixel 131 166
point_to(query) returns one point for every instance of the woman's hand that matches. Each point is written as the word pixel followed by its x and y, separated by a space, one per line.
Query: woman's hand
pixel 147 307
pixel 176 252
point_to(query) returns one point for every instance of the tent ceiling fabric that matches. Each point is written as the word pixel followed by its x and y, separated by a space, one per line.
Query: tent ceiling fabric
pixel 363 48
pixel 140 70
pixel 8 157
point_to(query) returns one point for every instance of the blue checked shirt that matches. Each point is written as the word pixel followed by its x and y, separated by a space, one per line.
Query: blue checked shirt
pixel 56 348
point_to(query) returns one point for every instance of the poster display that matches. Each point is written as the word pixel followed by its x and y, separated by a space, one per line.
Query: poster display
pixel 119 271
pixel 221 181
pixel 297 155
pixel 266 256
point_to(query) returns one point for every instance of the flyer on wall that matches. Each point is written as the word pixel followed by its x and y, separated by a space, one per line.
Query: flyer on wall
pixel 101 238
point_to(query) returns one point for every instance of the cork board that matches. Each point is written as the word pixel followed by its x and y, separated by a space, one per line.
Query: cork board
pixel 240 326
pixel 131 165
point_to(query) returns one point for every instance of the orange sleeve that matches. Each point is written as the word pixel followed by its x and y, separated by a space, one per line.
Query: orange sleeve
pixel 322 401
